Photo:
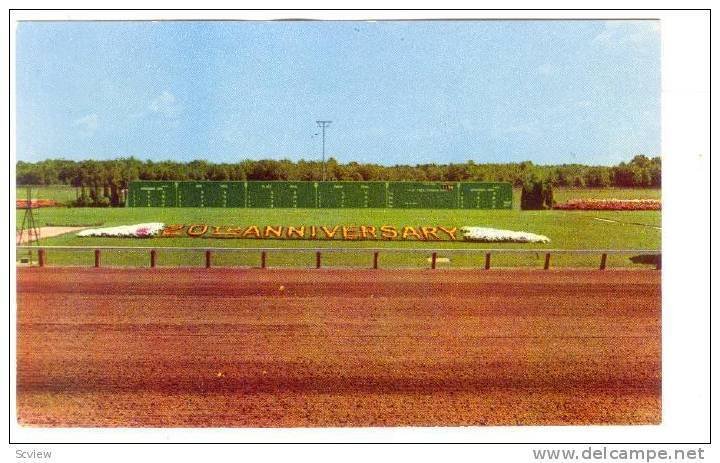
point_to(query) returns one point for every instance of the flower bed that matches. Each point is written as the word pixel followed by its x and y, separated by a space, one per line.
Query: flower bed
pixel 610 205
pixel 479 234
pixel 494 235
pixel 23 203
pixel 141 230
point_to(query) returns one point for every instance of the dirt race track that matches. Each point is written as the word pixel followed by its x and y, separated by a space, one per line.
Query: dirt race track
pixel 264 348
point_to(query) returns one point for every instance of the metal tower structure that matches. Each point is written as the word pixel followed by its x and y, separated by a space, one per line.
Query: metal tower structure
pixel 29 232
pixel 323 124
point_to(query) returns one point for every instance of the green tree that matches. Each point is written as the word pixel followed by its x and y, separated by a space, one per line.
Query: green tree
pixel 536 194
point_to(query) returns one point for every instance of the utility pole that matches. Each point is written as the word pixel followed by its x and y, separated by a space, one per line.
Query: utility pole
pixel 323 124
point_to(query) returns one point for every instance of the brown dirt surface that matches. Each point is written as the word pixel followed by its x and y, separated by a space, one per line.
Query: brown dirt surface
pixel 285 348
pixel 48 232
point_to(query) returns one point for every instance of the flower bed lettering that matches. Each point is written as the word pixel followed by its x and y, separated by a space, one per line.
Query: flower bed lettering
pixel 318 232
pixel 312 232
pixel 610 205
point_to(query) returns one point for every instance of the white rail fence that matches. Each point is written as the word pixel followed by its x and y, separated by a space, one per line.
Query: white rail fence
pixel 654 255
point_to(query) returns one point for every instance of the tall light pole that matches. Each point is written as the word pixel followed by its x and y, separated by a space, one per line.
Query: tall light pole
pixel 323 124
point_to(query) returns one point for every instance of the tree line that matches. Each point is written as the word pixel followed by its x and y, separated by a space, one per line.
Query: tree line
pixel 103 181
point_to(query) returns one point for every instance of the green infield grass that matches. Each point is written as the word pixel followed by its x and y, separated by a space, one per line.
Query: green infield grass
pixel 63 194
pixel 566 229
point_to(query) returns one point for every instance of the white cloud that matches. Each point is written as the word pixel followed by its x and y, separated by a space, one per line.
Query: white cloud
pixel 634 33
pixel 87 125
pixel 165 104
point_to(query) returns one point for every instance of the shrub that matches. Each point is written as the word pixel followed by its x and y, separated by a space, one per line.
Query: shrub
pixel 537 195
pixel 88 201
pixel 83 201
pixel 102 201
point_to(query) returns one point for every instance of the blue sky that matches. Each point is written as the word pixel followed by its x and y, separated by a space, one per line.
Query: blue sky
pixel 397 92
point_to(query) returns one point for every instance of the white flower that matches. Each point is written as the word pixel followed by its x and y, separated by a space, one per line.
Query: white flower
pixel 141 230
pixel 494 235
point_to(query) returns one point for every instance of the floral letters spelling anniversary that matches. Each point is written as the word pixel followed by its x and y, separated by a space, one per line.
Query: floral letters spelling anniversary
pixel 313 232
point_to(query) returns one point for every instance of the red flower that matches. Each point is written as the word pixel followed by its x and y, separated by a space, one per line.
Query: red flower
pixel 611 205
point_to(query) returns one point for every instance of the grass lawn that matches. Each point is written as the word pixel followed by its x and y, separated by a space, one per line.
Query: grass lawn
pixel 66 194
pixel 60 193
pixel 566 229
